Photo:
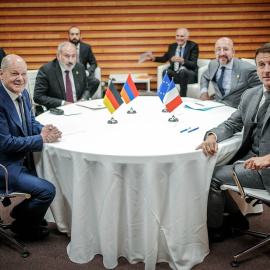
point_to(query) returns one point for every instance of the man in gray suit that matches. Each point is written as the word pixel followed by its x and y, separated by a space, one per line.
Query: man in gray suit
pixel 61 81
pixel 85 56
pixel 253 114
pixel 229 75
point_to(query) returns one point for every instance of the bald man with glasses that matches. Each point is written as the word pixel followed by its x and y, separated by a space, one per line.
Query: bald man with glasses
pixel 229 75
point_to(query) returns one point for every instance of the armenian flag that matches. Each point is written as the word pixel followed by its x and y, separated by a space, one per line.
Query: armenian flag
pixel 112 99
pixel 129 90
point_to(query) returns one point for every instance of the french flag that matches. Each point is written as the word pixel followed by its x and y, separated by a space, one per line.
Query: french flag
pixel 172 98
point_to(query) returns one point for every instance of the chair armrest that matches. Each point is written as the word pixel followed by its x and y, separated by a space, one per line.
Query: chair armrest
pixel 159 73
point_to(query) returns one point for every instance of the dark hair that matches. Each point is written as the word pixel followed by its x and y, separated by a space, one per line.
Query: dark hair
pixel 74 27
pixel 264 49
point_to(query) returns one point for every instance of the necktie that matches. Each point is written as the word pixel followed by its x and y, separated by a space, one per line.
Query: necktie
pixel 262 110
pixel 19 99
pixel 68 88
pixel 220 81
pixel 29 158
pixel 178 53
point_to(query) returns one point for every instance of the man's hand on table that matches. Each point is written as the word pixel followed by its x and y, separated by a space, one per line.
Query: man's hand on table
pixel 209 146
pixel 50 134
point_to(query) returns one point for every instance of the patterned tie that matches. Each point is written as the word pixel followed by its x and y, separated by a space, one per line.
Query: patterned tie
pixel 220 81
pixel 263 108
pixel 177 53
pixel 24 125
pixel 68 88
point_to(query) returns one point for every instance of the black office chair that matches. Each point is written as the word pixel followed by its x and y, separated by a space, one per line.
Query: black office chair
pixel 250 194
pixel 5 199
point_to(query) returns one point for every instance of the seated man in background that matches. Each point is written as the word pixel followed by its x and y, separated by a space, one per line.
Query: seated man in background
pixel 183 57
pixel 61 81
pixel 20 135
pixel 85 55
pixel 2 54
pixel 252 115
pixel 229 75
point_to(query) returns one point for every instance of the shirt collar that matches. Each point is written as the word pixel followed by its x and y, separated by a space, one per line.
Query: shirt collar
pixel 12 95
pixel 228 66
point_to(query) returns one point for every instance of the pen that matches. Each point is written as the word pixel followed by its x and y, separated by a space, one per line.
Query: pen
pixel 199 104
pixel 193 129
pixel 185 130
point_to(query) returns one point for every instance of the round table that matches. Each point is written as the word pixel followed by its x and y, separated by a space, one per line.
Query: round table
pixel 136 189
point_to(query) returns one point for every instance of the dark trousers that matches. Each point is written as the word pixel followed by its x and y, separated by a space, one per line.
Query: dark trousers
pixel 183 77
pixel 220 201
pixel 93 84
pixel 32 211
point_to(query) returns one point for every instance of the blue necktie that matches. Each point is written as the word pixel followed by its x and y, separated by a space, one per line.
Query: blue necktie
pixel 220 81
pixel 24 125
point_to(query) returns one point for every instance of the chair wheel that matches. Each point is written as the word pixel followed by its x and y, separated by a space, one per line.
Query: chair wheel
pixel 25 254
pixel 234 264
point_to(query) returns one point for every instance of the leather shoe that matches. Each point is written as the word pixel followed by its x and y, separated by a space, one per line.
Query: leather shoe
pixel 236 220
pixel 217 235
pixel 14 216
pixel 30 232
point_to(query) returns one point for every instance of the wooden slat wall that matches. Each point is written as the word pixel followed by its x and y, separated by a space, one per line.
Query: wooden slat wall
pixel 119 31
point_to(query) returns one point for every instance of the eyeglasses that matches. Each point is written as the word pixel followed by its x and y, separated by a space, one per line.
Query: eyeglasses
pixel 225 50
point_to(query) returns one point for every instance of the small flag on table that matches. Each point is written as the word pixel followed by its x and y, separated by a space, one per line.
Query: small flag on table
pixel 163 86
pixel 112 99
pixel 129 90
pixel 172 98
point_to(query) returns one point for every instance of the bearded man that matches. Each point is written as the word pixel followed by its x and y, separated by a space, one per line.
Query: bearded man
pixel 229 75
pixel 61 81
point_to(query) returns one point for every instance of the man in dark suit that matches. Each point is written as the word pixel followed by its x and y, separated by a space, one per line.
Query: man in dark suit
pixel 183 57
pixel 86 56
pixel 253 114
pixel 61 81
pixel 20 135
pixel 2 54
pixel 229 85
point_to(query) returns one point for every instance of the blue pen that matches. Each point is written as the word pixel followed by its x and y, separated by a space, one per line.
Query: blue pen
pixel 193 129
pixel 185 130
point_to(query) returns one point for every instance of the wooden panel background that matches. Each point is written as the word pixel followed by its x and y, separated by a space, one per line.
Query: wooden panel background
pixel 119 31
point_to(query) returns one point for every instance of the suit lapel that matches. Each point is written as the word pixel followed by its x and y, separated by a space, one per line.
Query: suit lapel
pixel 9 104
pixel 59 77
pixel 75 73
pixel 236 72
pixel 213 70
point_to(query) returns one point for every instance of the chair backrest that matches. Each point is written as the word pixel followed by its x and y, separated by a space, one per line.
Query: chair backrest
pixel 251 61
pixel 31 75
pixel 97 75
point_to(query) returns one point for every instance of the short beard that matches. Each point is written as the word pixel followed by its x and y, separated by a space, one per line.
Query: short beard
pixel 75 41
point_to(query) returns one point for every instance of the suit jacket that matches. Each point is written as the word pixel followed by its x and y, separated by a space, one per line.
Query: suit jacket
pixel 2 54
pixel 87 56
pixel 13 142
pixel 190 55
pixel 50 89
pixel 241 118
pixel 244 76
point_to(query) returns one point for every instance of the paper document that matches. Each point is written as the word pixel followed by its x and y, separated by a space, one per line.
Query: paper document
pixel 143 57
pixel 92 104
pixel 203 105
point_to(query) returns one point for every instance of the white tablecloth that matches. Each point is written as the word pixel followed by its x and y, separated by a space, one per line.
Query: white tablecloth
pixel 136 189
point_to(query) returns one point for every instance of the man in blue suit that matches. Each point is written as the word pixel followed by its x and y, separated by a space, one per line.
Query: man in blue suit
pixel 20 135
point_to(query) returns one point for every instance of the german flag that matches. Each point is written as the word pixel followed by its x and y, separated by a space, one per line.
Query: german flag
pixel 112 99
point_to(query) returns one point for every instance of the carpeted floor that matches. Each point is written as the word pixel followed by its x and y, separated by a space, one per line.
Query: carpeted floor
pixel 50 254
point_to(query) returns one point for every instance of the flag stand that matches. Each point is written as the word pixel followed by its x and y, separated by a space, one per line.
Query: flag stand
pixel 131 111
pixel 112 121
pixel 173 119
pixel 165 109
